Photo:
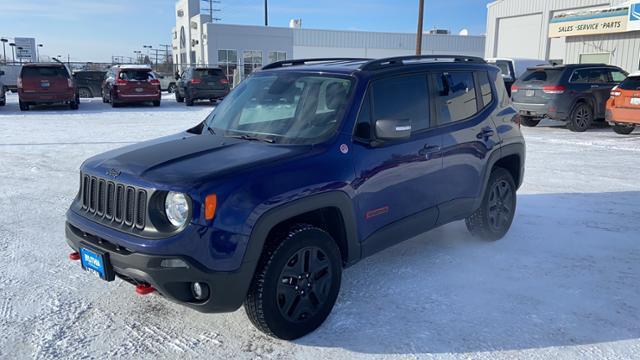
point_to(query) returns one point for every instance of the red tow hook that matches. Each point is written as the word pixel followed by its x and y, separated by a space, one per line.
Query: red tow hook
pixel 144 289
pixel 75 256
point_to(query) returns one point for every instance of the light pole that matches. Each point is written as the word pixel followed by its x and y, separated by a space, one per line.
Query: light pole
pixel 4 50
pixel 419 35
pixel 148 47
pixel 266 14
pixel 138 55
pixel 38 52
pixel 13 52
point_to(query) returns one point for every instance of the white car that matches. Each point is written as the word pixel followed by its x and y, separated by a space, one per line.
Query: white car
pixel 3 91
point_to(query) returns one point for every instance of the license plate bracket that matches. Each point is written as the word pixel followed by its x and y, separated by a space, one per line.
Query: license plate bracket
pixel 96 262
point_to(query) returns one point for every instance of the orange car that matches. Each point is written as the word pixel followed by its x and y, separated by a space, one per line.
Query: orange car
pixel 623 107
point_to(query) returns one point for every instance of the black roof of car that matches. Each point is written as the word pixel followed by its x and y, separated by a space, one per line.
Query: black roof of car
pixel 570 66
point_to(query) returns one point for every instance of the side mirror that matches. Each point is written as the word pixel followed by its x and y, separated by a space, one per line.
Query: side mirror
pixel 507 78
pixel 177 76
pixel 393 129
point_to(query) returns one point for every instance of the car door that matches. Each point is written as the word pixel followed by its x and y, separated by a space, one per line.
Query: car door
pixel 592 83
pixel 396 180
pixel 469 135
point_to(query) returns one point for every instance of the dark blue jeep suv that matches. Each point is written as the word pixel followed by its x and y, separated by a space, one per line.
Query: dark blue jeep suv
pixel 307 167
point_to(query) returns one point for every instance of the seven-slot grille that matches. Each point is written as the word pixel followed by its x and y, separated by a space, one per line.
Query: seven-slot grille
pixel 115 202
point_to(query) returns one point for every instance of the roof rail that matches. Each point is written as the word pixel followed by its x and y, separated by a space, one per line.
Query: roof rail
pixel 400 60
pixel 296 62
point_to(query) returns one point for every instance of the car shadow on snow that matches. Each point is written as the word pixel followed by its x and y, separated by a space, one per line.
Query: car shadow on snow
pixel 566 274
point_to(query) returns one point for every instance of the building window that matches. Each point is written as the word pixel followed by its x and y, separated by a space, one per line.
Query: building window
pixel 228 62
pixel 277 56
pixel 252 61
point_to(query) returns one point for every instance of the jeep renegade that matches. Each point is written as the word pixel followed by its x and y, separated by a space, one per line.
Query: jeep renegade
pixel 305 168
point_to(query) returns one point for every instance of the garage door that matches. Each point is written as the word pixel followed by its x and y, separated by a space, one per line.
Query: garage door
pixel 519 36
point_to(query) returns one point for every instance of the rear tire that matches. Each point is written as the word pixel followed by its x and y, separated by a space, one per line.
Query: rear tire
pixel 188 101
pixel 156 103
pixel 623 129
pixel 74 105
pixel 494 217
pixel 296 283
pixel 171 88
pixel 581 118
pixel 23 106
pixel 85 93
pixel 3 102
pixel 179 98
pixel 529 121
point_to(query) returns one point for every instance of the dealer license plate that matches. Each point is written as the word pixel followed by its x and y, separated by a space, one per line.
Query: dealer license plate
pixel 530 93
pixel 635 101
pixel 94 262
pixel 139 90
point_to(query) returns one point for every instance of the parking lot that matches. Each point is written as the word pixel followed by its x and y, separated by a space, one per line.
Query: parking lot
pixel 562 284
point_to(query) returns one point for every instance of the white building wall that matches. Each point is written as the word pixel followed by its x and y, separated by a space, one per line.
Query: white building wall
pixel 516 10
pixel 623 47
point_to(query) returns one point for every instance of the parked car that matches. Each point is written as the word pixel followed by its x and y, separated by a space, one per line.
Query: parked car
pixel 623 107
pixel 576 94
pixel 358 155
pixel 3 91
pixel 11 74
pixel 513 68
pixel 89 82
pixel 46 83
pixel 130 84
pixel 201 83
pixel 167 82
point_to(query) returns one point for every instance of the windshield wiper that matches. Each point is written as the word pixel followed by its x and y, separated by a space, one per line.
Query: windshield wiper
pixel 252 138
pixel 211 130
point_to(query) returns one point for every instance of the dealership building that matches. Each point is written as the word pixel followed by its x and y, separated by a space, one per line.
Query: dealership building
pixel 243 49
pixel 565 31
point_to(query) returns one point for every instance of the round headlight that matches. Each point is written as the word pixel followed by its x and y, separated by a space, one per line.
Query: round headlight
pixel 176 206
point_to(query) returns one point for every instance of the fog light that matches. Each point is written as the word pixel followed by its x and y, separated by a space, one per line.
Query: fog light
pixel 200 291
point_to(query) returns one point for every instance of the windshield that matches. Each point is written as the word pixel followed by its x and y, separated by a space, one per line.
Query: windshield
pixel 286 107
pixel 631 83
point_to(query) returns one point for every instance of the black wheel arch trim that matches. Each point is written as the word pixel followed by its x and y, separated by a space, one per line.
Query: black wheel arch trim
pixel 517 149
pixel 273 217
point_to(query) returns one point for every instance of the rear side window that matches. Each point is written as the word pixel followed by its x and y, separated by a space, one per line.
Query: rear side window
pixel 455 96
pixel 617 76
pixel 400 98
pixel 631 83
pixel 485 88
pixel 39 71
pixel 203 73
pixel 544 75
pixel 590 76
pixel 139 75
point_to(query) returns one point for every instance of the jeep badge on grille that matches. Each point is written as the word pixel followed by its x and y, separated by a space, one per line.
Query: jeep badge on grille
pixel 114 173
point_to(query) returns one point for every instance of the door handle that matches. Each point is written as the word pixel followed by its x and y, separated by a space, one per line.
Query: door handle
pixel 428 149
pixel 485 133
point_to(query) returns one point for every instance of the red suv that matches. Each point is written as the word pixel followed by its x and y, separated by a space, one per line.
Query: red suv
pixel 130 84
pixel 46 83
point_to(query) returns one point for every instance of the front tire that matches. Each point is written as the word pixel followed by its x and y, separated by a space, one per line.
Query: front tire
pixel 85 93
pixel 581 118
pixel 494 217
pixel 623 129
pixel 529 121
pixel 23 106
pixel 296 283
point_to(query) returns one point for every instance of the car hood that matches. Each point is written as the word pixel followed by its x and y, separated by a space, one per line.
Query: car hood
pixel 187 159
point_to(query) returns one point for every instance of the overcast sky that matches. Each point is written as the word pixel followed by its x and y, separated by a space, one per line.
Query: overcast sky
pixel 94 30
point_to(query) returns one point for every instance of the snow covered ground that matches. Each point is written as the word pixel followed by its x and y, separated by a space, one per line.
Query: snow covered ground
pixel 564 283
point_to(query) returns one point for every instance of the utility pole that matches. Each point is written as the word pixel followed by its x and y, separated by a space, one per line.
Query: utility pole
pixel 157 51
pixel 13 51
pixel 166 51
pixel 266 13
pixel 38 52
pixel 419 35
pixel 212 9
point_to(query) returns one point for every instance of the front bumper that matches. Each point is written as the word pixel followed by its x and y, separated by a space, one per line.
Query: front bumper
pixel 227 289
